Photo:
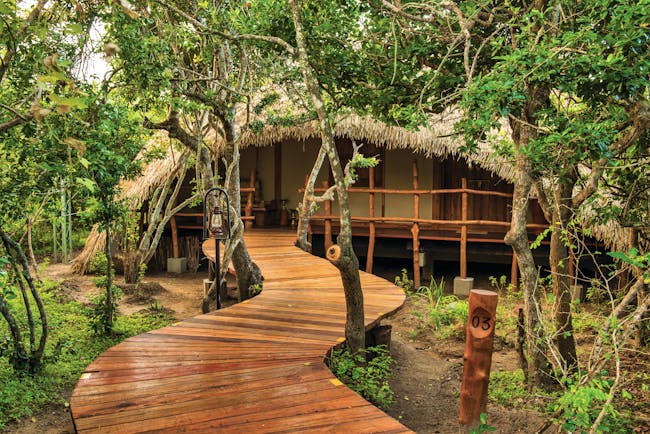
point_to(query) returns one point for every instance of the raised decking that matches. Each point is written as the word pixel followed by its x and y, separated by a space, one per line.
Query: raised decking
pixel 253 367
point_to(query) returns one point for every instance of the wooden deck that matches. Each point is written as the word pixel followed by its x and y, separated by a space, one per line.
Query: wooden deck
pixel 253 367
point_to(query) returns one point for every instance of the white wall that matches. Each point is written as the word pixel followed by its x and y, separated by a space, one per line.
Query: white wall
pixel 298 158
pixel 399 174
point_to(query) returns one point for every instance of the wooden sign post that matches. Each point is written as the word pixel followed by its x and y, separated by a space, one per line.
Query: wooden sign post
pixel 477 358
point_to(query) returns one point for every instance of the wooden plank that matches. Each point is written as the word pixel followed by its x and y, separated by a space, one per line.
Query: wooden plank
pixel 256 366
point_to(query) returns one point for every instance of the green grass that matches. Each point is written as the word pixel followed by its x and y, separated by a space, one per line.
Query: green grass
pixel 71 347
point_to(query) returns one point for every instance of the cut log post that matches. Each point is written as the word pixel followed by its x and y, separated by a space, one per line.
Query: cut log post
pixel 477 359
pixel 333 253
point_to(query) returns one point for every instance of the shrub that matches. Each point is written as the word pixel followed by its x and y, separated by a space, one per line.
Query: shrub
pixel 368 379
pixel 580 405
pixel 97 265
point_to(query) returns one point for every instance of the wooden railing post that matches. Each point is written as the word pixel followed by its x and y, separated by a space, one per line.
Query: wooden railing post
pixel 327 208
pixel 248 210
pixel 415 229
pixel 371 214
pixel 477 359
pixel 463 230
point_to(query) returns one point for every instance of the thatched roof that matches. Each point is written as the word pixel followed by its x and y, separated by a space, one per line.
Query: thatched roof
pixel 437 140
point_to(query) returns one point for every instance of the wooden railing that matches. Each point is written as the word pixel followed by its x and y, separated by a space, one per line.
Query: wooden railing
pixel 416 221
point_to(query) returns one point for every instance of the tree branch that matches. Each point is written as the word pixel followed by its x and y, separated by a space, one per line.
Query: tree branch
pixel 18 120
pixel 173 127
pixel 199 25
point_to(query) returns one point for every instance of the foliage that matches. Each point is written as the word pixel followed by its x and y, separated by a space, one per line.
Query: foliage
pixel 581 403
pixel 98 263
pixel 404 281
pixel 71 347
pixel 444 314
pixel 637 259
pixel 105 312
pixel 507 389
pixel 142 269
pixel 257 289
pixel 369 378
pixel 483 425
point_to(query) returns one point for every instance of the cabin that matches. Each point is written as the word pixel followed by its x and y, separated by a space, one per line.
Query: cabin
pixel 426 200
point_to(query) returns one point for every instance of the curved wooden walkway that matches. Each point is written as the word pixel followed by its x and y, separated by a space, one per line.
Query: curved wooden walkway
pixel 253 367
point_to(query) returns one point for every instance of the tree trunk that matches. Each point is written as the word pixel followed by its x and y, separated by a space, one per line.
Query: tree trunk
pixel 109 280
pixel 248 273
pixel 342 255
pixel 307 202
pixel 34 358
pixel 559 261
pixel 539 369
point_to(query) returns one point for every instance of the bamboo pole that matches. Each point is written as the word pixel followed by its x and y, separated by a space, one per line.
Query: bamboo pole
pixel 371 213
pixel 477 358
pixel 248 210
pixel 55 252
pixel 64 224
pixel 327 208
pixel 415 229
pixel 69 223
pixel 463 230
pixel 175 249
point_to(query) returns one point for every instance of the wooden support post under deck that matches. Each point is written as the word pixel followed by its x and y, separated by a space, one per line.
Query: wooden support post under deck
pixel 277 182
pixel 175 251
pixel 371 214
pixel 514 271
pixel 463 231
pixel 327 208
pixel 248 210
pixel 415 230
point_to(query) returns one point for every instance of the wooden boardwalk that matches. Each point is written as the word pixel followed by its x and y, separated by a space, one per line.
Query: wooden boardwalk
pixel 253 367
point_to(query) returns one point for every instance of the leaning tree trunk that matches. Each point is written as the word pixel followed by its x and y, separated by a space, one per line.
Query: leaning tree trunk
pixel 559 261
pixel 341 255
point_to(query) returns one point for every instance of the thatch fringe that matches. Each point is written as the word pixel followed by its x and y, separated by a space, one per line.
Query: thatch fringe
pixel 437 140
pixel 94 244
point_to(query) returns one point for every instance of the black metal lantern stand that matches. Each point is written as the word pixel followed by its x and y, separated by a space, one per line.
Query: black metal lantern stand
pixel 216 227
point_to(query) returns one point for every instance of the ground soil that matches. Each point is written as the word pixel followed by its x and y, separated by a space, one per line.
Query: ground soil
pixel 427 372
